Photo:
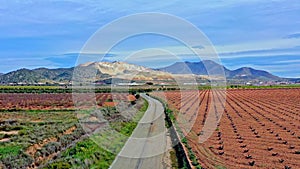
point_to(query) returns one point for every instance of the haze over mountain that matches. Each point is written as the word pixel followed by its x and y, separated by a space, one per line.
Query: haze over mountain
pixel 40 75
pixel 203 67
pixel 103 72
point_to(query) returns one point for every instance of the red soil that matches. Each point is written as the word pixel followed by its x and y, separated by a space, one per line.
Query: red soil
pixel 109 104
pixel 258 129
pixel 30 101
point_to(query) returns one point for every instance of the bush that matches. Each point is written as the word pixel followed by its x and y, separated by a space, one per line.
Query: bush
pixel 65 140
pixel 198 166
pixel 21 160
pixel 137 96
pixel 184 141
pixel 52 147
pixel 60 165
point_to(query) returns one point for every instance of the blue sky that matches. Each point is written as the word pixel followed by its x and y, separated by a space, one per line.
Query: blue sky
pixel 260 34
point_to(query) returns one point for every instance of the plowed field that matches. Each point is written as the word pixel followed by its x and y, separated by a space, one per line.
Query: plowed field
pixel 258 129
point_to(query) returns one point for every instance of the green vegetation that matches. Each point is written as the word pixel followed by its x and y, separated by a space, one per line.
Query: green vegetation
pixel 144 107
pixel 170 115
pixel 11 150
pixel 191 154
pixel 204 87
pixel 55 139
pixel 14 157
pixel 126 127
pixel 32 128
pixel 263 87
pixel 89 153
pixel 85 154
pixel 181 159
pixel 107 89
pixel 38 75
pixel 69 89
pixel 250 87
pixel 171 122
pixel 174 159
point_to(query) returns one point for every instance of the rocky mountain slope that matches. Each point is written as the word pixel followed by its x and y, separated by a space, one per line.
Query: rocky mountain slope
pixel 93 71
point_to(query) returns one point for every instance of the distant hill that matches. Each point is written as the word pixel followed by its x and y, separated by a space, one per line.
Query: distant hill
pixel 295 80
pixel 37 75
pixel 250 73
pixel 203 67
pixel 197 68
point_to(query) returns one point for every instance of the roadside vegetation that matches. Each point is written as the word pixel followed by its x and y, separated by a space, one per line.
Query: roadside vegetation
pixel 179 158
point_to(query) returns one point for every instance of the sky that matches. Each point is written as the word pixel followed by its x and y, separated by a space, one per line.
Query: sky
pixel 260 34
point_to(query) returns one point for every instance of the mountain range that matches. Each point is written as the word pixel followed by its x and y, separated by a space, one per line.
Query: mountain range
pixel 207 67
pixel 103 72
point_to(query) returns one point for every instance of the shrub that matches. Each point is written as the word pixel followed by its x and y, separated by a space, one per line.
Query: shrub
pixel 184 141
pixel 20 160
pixel 52 147
pixel 60 165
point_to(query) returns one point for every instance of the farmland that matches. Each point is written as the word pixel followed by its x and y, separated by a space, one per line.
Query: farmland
pixel 258 129
pixel 44 130
pixel 57 101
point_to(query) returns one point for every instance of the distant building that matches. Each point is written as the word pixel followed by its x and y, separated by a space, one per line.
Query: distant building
pixel 129 84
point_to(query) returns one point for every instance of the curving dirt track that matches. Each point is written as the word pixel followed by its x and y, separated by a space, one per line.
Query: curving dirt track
pixel 259 128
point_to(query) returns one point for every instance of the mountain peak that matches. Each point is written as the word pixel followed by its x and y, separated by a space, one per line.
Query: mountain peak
pixel 246 68
pixel 250 73
pixel 198 68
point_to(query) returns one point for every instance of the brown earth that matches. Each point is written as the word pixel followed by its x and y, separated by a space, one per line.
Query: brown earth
pixel 58 101
pixel 258 129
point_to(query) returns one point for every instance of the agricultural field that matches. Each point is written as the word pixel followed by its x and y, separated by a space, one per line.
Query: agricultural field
pixel 259 128
pixel 45 130
pixel 58 101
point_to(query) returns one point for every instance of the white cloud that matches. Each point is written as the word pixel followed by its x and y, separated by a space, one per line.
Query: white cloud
pixel 287 61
